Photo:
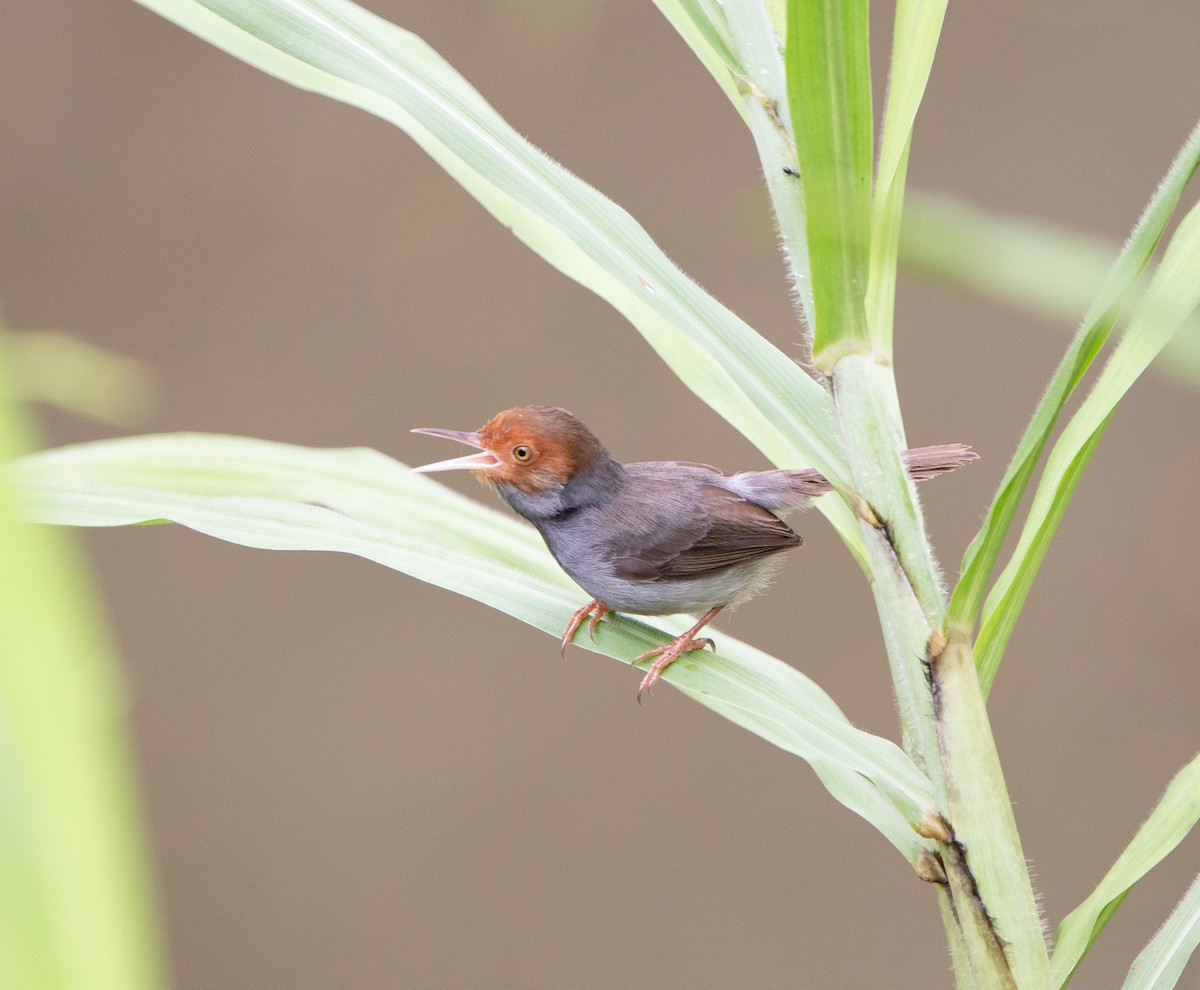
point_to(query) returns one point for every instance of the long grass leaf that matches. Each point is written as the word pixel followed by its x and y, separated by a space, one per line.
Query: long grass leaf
pixel 1172 296
pixel 981 556
pixel 75 902
pixel 276 496
pixel 339 49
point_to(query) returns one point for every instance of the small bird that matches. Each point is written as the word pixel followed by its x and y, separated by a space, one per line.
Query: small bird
pixel 652 538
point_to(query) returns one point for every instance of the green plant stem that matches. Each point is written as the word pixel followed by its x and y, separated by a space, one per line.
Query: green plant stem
pixel 894 533
pixel 985 829
pixel 993 926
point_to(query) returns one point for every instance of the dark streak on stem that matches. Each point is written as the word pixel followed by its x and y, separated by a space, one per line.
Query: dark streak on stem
pixel 965 900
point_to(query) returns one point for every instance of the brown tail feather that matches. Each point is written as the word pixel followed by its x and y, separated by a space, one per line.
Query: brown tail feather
pixel 927 462
pixel 922 463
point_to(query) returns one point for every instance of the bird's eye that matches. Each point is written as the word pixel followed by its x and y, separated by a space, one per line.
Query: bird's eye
pixel 523 453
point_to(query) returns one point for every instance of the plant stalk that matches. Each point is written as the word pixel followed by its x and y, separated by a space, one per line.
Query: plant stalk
pixel 991 918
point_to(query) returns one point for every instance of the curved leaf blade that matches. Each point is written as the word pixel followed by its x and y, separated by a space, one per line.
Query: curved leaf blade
pixel 338 49
pixel 981 556
pixel 1172 296
pixel 275 496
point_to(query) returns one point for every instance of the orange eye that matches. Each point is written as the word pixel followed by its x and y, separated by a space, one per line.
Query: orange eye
pixel 523 453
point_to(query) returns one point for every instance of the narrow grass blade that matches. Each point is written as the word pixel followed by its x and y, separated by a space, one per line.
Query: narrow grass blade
pixel 1166 827
pixel 341 50
pixel 1160 964
pixel 981 556
pixel 276 496
pixel 829 97
pixel 915 36
pixel 75 902
pixel 1173 294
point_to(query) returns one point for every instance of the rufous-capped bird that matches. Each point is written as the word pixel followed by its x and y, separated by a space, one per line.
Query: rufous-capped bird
pixel 653 538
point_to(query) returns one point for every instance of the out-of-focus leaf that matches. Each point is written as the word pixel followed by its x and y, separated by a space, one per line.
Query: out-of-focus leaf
pixel 66 371
pixel 75 902
pixel 1037 266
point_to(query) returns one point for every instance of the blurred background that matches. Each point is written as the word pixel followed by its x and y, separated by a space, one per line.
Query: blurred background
pixel 354 779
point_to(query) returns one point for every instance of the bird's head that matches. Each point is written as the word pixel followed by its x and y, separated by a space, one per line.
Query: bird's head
pixel 531 448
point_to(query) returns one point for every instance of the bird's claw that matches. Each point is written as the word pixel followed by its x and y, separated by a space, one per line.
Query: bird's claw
pixel 593 611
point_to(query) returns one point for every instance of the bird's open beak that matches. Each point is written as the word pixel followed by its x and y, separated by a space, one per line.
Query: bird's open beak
pixel 485 460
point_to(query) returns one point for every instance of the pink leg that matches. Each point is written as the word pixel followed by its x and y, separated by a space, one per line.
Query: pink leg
pixel 668 654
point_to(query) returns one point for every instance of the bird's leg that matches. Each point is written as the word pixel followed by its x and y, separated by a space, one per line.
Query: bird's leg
pixel 593 611
pixel 668 654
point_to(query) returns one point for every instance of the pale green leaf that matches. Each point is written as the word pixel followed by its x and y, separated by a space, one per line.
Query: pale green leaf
pixel 275 496
pixel 75 902
pixel 1160 964
pixel 983 553
pixel 341 50
pixel 1166 827
pixel 1173 294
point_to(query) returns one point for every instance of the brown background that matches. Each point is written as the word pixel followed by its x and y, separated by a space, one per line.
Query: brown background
pixel 354 780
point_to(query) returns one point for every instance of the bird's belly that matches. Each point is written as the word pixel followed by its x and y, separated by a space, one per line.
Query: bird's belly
pixel 666 597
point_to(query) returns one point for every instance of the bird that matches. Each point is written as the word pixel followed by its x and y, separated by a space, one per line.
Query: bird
pixel 650 538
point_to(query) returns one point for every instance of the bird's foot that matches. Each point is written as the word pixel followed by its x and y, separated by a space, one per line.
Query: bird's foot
pixel 667 655
pixel 593 611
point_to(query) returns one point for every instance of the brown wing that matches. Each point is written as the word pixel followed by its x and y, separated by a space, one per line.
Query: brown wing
pixel 723 530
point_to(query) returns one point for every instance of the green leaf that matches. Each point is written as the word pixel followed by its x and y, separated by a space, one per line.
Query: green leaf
pixel 915 36
pixel 1173 293
pixel 1166 827
pixel 279 497
pixel 829 97
pixel 338 49
pixel 1160 964
pixel 983 553
pixel 75 901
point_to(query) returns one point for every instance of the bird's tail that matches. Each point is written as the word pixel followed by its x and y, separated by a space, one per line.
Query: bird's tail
pixel 922 463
